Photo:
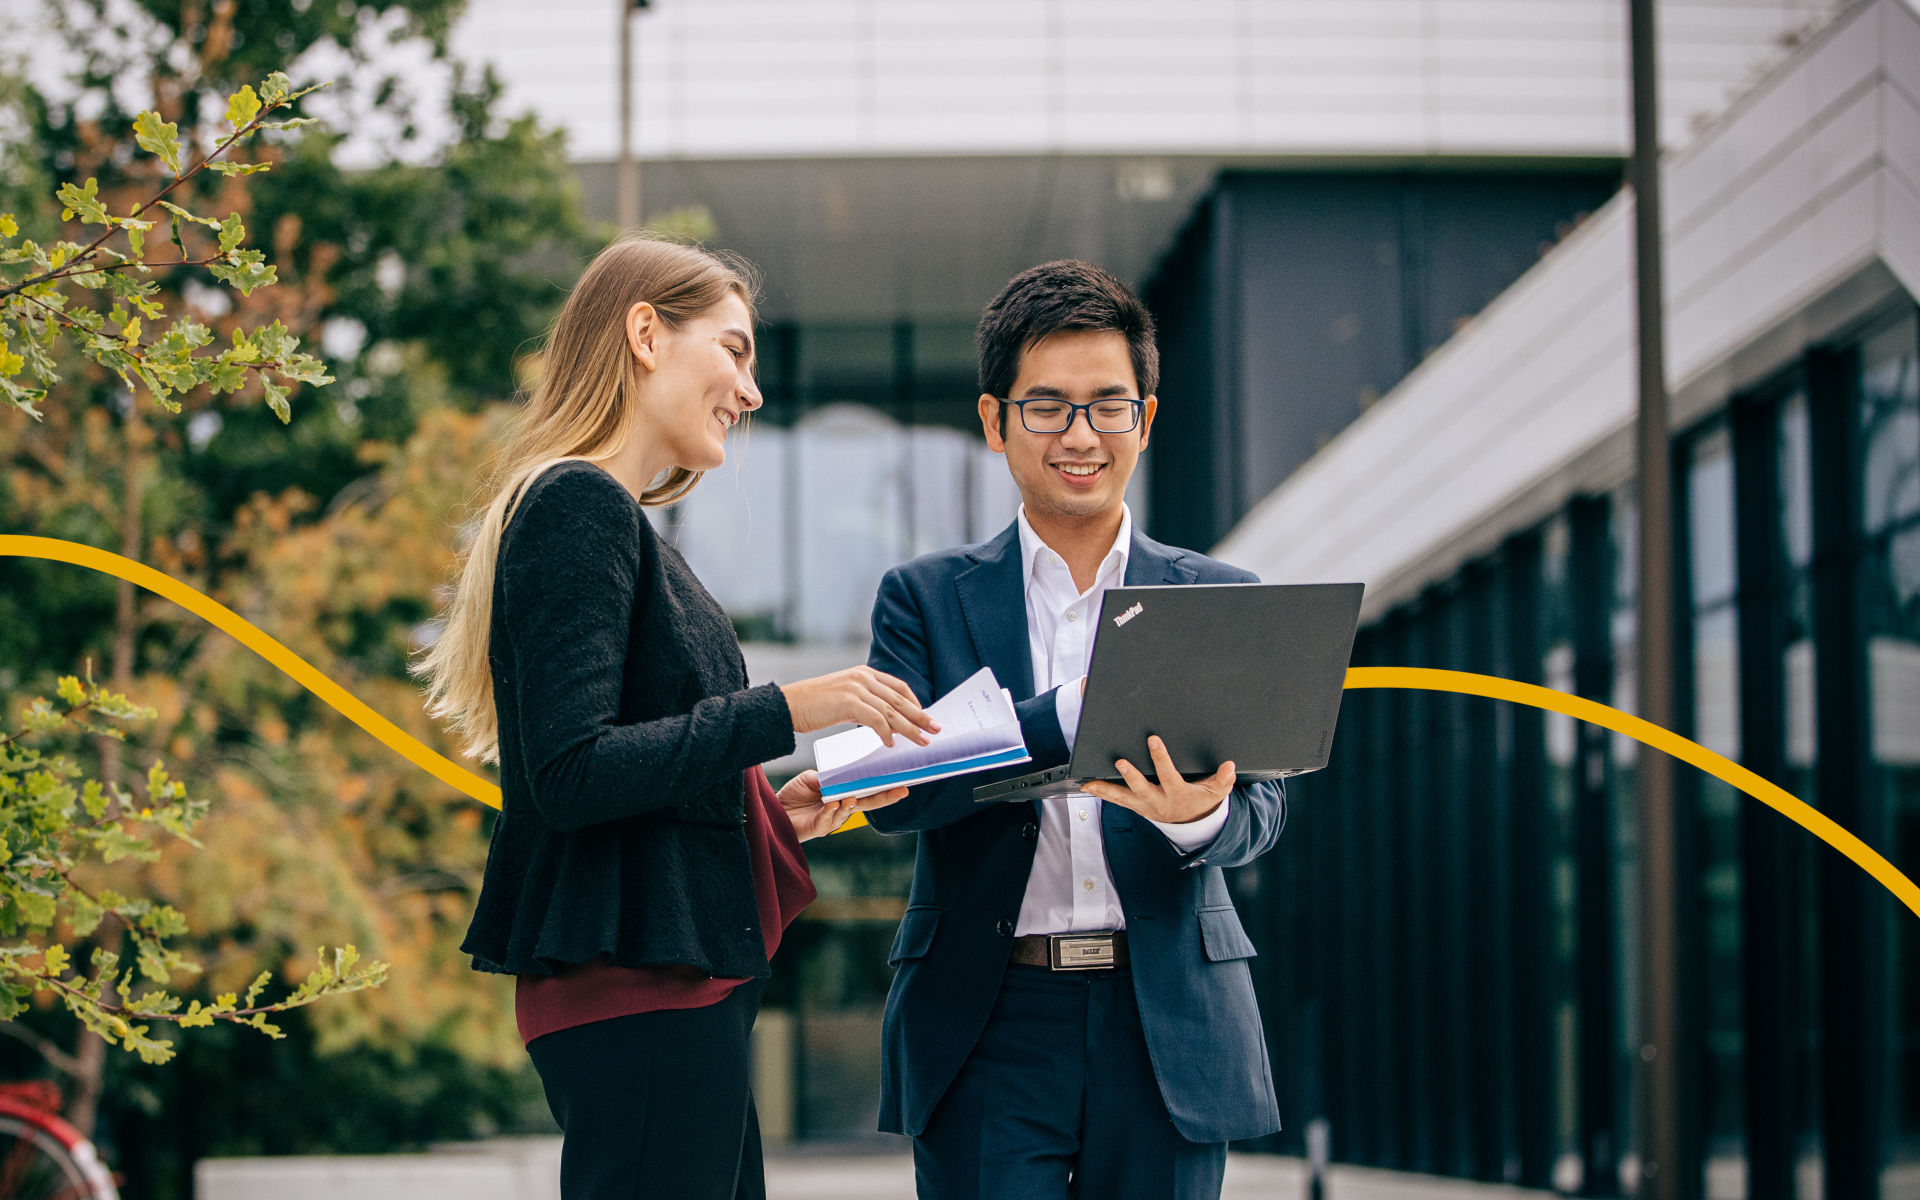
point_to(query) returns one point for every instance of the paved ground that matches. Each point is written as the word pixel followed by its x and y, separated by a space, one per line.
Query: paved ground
pixel 528 1169
pixel 890 1177
pixel 802 1176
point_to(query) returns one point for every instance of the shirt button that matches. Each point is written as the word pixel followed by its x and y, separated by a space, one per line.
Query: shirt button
pixel 1030 830
pixel 1004 928
pixel 1083 814
pixel 1087 884
pixel 1073 614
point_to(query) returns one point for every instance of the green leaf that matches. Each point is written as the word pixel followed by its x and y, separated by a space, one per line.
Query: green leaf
pixel 184 215
pixel 8 227
pixel 225 377
pixel 35 909
pixel 259 985
pixel 233 168
pixel 277 88
pixel 69 689
pixel 243 107
pixel 232 233
pixel 158 137
pixel 245 270
pixel 304 368
pixel 83 914
pixel 275 342
pixel 137 238
pixel 56 961
pixel 277 400
pixel 82 202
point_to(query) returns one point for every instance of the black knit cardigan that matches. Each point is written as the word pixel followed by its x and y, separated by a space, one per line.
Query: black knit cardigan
pixel 625 726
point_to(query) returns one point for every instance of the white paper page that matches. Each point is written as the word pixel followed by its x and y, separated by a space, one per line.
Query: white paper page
pixel 975 718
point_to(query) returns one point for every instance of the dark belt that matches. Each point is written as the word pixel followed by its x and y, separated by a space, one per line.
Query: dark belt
pixel 1072 951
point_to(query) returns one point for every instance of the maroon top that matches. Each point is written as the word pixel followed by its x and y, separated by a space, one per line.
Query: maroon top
pixel 595 991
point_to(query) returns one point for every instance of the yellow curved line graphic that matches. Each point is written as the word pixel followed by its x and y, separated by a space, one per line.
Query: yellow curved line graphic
pixel 249 635
pixel 1418 678
pixel 1716 765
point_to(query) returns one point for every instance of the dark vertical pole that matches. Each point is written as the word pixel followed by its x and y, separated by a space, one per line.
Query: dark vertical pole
pixel 1502 1061
pixel 1487 1037
pixel 1455 1065
pixel 1768 898
pixel 787 346
pixel 1229 448
pixel 1665 1173
pixel 1589 601
pixel 626 178
pixel 1854 1053
pixel 1531 911
pixel 1424 1095
pixel 1352 1022
pixel 904 398
pixel 1384 1138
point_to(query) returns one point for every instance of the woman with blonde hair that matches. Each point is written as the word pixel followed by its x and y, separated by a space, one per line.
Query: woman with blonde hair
pixel 642 869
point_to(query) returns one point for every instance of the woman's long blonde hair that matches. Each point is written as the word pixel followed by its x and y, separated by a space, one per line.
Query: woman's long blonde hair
pixel 582 408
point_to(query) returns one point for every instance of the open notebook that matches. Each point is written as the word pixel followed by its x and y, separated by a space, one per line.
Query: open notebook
pixel 978 730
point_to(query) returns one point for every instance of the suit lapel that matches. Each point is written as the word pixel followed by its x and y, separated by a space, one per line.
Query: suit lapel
pixel 995 607
pixel 1149 563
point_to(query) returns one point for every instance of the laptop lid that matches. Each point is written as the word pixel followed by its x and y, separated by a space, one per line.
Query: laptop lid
pixel 1247 672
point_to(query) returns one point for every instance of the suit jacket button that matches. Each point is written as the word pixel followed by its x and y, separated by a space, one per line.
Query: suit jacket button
pixel 1030 830
pixel 1004 928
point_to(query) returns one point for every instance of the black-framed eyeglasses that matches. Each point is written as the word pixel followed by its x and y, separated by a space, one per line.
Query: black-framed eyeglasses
pixel 1044 414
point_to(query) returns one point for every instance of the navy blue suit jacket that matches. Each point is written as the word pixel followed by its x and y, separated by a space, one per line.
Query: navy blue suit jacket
pixel 939 619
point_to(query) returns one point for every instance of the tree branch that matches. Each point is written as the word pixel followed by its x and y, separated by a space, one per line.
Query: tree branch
pixel 238 1016
pixel 93 247
pixel 68 270
pixel 48 1049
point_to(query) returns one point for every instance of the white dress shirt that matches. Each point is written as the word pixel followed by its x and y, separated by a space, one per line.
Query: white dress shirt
pixel 1070 889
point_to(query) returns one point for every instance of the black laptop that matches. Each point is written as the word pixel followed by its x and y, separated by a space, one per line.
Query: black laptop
pixel 1245 672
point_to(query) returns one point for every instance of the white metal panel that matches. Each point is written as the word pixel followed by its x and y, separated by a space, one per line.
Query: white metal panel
pixel 1397 76
pixel 1795 192
pixel 1900 239
pixel 1901 142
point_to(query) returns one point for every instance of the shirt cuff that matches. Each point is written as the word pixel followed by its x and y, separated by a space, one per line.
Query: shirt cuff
pixel 1189 836
pixel 1066 705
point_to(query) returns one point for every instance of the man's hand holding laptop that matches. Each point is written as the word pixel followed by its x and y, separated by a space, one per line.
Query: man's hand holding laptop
pixel 1173 801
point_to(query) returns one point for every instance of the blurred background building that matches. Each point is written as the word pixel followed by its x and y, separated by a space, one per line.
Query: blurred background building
pixel 1392 272
pixel 1392 268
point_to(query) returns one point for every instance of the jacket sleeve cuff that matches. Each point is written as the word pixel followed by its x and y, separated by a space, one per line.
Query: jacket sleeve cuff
pixel 768 723
pixel 1040 726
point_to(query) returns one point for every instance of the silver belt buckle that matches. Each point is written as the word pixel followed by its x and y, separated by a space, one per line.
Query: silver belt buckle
pixel 1079 951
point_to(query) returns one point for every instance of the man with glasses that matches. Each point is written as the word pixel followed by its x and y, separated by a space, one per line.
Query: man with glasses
pixel 1123 1070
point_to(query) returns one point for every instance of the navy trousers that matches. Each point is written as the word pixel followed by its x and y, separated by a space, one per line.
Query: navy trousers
pixel 658 1105
pixel 1058 1101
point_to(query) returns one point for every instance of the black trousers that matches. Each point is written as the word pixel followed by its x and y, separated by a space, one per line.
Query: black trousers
pixel 1059 1100
pixel 657 1104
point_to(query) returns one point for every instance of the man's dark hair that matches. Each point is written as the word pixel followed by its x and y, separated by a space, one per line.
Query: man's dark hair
pixel 1053 298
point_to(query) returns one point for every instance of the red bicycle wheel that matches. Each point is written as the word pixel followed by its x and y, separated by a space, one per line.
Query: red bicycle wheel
pixel 37 1162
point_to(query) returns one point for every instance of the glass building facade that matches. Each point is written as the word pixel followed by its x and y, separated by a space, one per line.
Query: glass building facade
pixel 867 453
pixel 1449 930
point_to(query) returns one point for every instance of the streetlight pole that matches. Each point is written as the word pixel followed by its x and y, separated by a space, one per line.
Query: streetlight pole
pixel 626 180
pixel 1663 1163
